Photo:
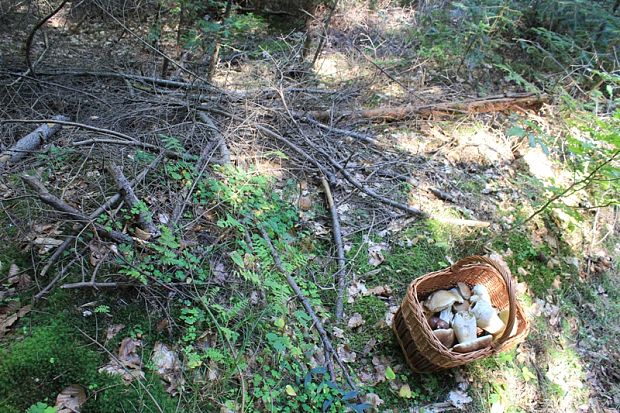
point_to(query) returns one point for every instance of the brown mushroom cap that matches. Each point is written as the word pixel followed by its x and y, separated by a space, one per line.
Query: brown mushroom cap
pixel 464 290
pixel 438 323
pixel 464 306
pixel 441 299
pixel 445 336
pixel 477 344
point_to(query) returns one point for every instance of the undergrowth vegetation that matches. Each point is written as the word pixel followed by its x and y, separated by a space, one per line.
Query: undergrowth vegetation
pixel 215 286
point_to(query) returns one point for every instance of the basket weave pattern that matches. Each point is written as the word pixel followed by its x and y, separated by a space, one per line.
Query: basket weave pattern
pixel 422 349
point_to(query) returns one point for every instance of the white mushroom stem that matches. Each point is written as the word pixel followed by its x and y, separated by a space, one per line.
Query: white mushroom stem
pixel 446 315
pixel 480 292
pixel 473 345
pixel 464 325
pixel 487 318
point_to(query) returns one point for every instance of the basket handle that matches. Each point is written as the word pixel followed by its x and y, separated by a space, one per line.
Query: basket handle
pixel 510 288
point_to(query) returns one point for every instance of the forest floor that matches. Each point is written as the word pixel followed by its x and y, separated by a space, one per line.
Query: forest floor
pixel 199 317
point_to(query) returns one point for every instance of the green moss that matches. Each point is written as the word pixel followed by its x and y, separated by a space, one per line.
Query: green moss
pixel 42 364
pixel 534 260
pixel 111 395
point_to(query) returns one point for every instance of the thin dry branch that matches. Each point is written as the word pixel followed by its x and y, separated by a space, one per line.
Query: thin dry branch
pixel 266 131
pixel 48 198
pixel 337 235
pixel 76 124
pixel 318 324
pixel 126 190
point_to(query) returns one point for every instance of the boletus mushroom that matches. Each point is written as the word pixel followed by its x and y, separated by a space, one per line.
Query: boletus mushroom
pixel 442 299
pixel 464 325
pixel 445 336
pixel 476 344
pixel 438 323
pixel 464 290
pixel 487 318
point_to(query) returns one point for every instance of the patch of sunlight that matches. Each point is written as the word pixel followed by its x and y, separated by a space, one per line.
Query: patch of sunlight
pixel 336 67
pixel 513 390
pixel 60 19
pixel 387 90
pixel 479 145
pixel 261 166
pixel 409 141
pixel 539 164
pixel 566 373
pixel 252 74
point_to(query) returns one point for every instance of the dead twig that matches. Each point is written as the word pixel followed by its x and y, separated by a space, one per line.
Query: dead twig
pixel 77 125
pixel 113 200
pixel 318 324
pixel 33 32
pixel 126 190
pixel 337 235
pixel 224 151
pixel 168 153
pixel 266 131
pixel 339 131
pixel 46 197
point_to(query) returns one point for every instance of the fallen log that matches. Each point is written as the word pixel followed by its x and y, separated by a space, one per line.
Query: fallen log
pixel 481 105
pixel 31 142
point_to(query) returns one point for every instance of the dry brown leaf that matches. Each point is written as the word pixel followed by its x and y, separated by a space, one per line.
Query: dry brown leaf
pixel 128 352
pixel 128 363
pixel 168 367
pixel 71 399
pixel 113 330
pixel 356 288
pixel 355 321
pixel 6 321
pixel 345 354
pixel 98 252
pixel 305 203
pixel 375 255
pixel 458 399
pixel 45 244
pixel 141 234
pixel 380 291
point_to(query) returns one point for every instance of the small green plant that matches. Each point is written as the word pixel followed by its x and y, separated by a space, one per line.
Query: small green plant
pixel 102 309
pixel 41 407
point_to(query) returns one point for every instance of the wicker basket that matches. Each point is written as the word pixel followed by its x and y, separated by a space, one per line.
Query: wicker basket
pixel 422 349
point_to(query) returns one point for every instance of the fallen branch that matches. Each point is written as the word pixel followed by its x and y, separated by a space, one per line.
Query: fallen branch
pixel 482 105
pixel 46 197
pixel 168 153
pixel 337 235
pixel 329 348
pixel 113 200
pixel 126 190
pixel 94 284
pixel 32 141
pixel 56 120
pixel 217 134
pixel 345 132
pixel 30 38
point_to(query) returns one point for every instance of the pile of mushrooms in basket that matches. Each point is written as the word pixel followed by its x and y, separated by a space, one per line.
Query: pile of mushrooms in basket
pixel 463 318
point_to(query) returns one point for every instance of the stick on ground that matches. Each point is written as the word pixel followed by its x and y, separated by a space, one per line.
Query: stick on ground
pixel 31 142
pixel 337 235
